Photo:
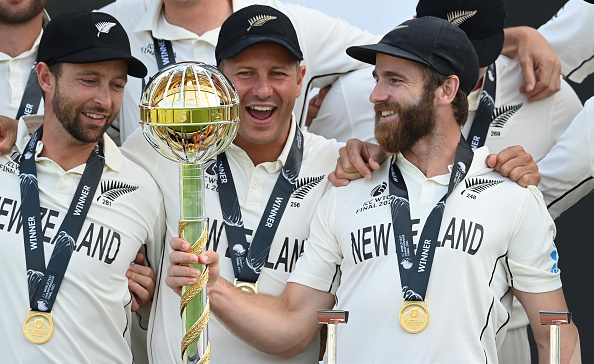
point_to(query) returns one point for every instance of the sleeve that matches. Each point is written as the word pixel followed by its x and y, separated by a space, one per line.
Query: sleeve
pixel 570 33
pixel 532 254
pixel 566 106
pixel 318 265
pixel 324 41
pixel 567 170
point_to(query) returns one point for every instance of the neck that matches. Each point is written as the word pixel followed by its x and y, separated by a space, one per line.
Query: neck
pixel 434 153
pixel 19 38
pixel 62 148
pixel 260 153
pixel 199 17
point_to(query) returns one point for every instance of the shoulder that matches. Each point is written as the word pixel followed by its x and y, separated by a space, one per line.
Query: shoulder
pixel 128 12
pixel 316 145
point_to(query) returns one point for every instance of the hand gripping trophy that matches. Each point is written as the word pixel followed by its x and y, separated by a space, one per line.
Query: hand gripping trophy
pixel 189 113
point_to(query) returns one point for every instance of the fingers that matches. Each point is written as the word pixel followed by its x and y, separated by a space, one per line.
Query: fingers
pixel 314 105
pixel 519 166
pixel 180 273
pixel 8 131
pixel 548 81
pixel 141 283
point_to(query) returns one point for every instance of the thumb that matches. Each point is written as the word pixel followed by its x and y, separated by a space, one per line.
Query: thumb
pixel 491 160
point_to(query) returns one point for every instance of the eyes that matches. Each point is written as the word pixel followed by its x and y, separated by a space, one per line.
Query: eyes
pixel 116 85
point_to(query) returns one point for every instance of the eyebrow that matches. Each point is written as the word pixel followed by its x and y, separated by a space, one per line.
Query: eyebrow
pixel 389 74
pixel 123 77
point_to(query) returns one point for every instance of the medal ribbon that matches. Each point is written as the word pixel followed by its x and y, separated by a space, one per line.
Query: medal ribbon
pixel 484 113
pixel 32 95
pixel 163 52
pixel 44 284
pixel 254 256
pixel 414 276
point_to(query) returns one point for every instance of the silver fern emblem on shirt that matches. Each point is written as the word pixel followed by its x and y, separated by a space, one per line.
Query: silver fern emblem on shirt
pixel 104 27
pixel 110 190
pixel 502 114
pixel 459 16
pixel 304 185
pixel 259 20
pixel 478 185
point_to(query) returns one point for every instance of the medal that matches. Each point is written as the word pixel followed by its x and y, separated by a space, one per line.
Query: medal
pixel 414 316
pixel 246 286
pixel 38 327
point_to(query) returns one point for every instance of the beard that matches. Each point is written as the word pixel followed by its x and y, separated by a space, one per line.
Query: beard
pixel 414 122
pixel 12 16
pixel 68 113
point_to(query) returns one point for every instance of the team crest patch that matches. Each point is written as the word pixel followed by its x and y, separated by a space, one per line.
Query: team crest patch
pixel 502 114
pixel 458 17
pixel 259 20
pixel 111 190
pixel 475 186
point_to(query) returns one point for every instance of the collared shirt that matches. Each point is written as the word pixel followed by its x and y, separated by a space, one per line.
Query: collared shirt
pixel 492 230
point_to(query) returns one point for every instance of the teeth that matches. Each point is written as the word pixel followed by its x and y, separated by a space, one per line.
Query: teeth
pixel 388 113
pixel 94 116
pixel 262 108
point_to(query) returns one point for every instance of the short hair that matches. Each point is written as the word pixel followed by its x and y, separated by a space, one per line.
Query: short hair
pixel 434 79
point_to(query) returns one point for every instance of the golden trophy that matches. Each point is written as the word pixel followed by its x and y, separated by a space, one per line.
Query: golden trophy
pixel 189 113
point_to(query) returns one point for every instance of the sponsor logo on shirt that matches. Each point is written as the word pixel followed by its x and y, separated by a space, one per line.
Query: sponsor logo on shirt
pixel 111 190
pixel 12 165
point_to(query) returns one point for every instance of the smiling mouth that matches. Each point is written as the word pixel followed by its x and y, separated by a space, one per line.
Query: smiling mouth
pixel 260 112
pixel 94 116
pixel 388 113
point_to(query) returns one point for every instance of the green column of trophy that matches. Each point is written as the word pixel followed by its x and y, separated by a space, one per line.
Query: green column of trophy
pixel 189 114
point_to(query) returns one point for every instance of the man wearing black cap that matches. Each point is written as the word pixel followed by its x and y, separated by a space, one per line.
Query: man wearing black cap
pixel 72 218
pixel 434 296
pixel 260 220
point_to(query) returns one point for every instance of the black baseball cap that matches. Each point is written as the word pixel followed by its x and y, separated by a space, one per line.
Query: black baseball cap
pixel 87 37
pixel 430 41
pixel 256 24
pixel 481 20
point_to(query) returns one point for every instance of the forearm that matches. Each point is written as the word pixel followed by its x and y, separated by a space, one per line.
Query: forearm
pixel 268 323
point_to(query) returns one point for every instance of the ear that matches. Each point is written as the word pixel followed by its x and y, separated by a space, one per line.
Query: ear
pixel 300 74
pixel 46 78
pixel 446 93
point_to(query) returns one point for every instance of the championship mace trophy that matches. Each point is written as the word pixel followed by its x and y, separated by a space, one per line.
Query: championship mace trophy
pixel 189 113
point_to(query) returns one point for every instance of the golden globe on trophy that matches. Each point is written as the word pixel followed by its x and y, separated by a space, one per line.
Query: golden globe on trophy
pixel 189 113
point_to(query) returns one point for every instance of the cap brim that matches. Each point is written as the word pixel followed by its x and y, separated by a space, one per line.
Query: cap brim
pixel 93 55
pixel 248 42
pixel 367 53
pixel 488 49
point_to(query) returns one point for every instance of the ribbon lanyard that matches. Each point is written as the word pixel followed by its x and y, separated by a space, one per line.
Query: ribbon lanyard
pixel 32 96
pixel 44 285
pixel 484 113
pixel 163 52
pixel 254 256
pixel 416 268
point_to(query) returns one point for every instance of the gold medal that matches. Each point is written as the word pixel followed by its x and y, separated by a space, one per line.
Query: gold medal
pixel 246 286
pixel 38 327
pixel 414 316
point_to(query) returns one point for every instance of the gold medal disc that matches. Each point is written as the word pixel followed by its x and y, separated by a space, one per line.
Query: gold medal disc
pixel 414 316
pixel 38 327
pixel 246 286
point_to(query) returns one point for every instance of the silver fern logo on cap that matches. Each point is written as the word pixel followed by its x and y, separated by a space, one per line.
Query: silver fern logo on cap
pixel 458 17
pixel 399 27
pixel 259 20
pixel 104 27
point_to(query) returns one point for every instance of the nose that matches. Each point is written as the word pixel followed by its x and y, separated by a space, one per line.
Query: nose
pixel 103 96
pixel 378 94
pixel 263 88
